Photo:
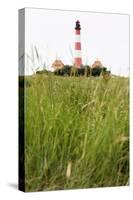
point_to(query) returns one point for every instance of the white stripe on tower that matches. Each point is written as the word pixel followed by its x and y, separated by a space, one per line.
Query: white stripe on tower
pixel 78 57
pixel 77 38
pixel 77 53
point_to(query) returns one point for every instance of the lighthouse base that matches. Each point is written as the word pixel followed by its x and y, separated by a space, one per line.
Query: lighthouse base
pixel 78 62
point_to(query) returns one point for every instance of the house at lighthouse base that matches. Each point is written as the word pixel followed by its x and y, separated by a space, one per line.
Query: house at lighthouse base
pixel 57 64
pixel 97 64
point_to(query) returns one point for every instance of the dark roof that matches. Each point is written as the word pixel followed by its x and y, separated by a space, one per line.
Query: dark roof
pixel 77 27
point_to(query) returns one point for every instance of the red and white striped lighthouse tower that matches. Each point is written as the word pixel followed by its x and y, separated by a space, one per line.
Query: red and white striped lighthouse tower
pixel 78 57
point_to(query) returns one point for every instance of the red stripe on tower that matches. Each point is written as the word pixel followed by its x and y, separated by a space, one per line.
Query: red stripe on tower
pixel 78 58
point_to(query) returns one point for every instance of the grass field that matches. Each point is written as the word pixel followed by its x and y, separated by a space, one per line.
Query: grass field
pixel 76 132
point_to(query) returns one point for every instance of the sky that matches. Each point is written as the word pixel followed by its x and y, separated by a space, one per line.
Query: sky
pixel 103 36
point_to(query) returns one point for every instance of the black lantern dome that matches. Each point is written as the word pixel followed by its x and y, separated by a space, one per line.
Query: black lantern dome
pixel 77 25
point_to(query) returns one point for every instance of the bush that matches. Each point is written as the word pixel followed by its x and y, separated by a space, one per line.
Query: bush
pixel 96 71
pixel 84 71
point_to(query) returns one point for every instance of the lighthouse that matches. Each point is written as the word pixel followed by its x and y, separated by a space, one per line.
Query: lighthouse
pixel 78 57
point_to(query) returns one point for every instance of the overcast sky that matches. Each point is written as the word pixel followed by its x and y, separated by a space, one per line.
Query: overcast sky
pixel 103 36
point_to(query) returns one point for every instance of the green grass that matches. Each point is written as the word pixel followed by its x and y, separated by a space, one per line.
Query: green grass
pixel 78 123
